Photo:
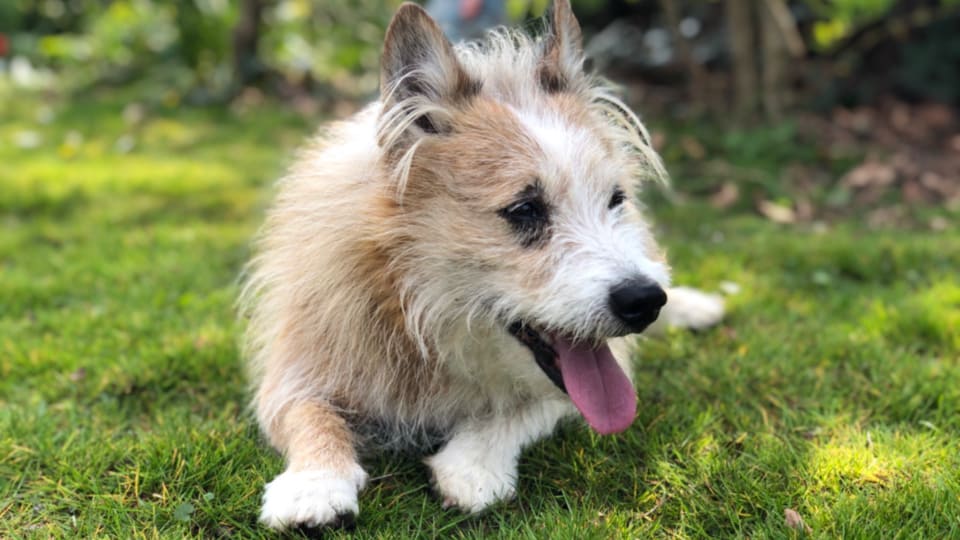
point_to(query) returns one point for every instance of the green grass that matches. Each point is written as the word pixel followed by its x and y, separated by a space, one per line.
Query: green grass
pixel 833 388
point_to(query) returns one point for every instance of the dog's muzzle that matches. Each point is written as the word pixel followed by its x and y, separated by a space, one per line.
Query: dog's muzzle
pixel 587 372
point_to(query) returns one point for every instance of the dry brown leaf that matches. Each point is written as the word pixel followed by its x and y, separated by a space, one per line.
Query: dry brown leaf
pixel 794 521
pixel 859 120
pixel 726 196
pixel 900 116
pixel 935 115
pixel 886 217
pixel 870 173
pixel 939 223
pixel 913 192
pixel 693 148
pixel 776 213
pixel 954 143
pixel 937 183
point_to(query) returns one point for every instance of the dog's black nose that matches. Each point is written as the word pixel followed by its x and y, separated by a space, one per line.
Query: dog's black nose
pixel 637 302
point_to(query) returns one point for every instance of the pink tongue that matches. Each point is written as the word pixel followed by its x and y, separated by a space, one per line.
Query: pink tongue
pixel 596 384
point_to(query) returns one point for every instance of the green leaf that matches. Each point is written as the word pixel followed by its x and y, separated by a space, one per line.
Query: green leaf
pixel 183 512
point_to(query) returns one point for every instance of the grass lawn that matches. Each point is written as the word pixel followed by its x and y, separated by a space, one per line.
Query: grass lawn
pixel 833 388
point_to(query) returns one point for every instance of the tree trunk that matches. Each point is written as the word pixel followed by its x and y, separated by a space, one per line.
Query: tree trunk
pixel 743 42
pixel 775 88
pixel 247 67
pixel 696 75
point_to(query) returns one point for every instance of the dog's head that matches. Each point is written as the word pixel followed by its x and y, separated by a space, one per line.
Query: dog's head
pixel 515 175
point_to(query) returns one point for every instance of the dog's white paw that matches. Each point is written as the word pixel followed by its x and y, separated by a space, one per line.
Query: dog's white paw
pixel 691 308
pixel 312 499
pixel 471 484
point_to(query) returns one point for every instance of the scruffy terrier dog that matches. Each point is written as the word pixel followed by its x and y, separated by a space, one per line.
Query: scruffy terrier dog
pixel 461 262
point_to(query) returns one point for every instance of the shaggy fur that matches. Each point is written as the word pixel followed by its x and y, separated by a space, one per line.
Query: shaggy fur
pixel 387 272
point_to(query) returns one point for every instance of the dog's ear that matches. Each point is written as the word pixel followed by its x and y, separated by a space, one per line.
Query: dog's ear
pixel 562 60
pixel 419 62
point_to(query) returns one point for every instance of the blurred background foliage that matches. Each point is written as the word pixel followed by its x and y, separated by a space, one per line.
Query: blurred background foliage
pixel 188 48
pixel 795 109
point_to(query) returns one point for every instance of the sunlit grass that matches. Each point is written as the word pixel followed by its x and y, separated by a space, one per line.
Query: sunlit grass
pixel 833 388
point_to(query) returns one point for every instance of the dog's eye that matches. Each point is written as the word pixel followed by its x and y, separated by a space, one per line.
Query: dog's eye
pixel 531 210
pixel 529 218
pixel 617 198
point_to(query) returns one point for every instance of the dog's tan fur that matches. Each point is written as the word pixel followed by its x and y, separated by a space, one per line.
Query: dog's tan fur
pixel 359 299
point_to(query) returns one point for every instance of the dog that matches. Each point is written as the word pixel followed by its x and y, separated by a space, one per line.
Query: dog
pixel 459 265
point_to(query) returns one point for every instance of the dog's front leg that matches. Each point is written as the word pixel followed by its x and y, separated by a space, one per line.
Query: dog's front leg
pixel 322 479
pixel 478 465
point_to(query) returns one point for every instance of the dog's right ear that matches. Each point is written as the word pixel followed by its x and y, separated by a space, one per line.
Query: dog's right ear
pixel 420 70
pixel 562 61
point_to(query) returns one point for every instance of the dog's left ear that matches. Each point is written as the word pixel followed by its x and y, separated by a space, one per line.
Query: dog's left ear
pixel 419 62
pixel 561 62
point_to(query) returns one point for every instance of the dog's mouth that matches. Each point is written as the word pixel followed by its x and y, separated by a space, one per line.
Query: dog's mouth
pixel 589 374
